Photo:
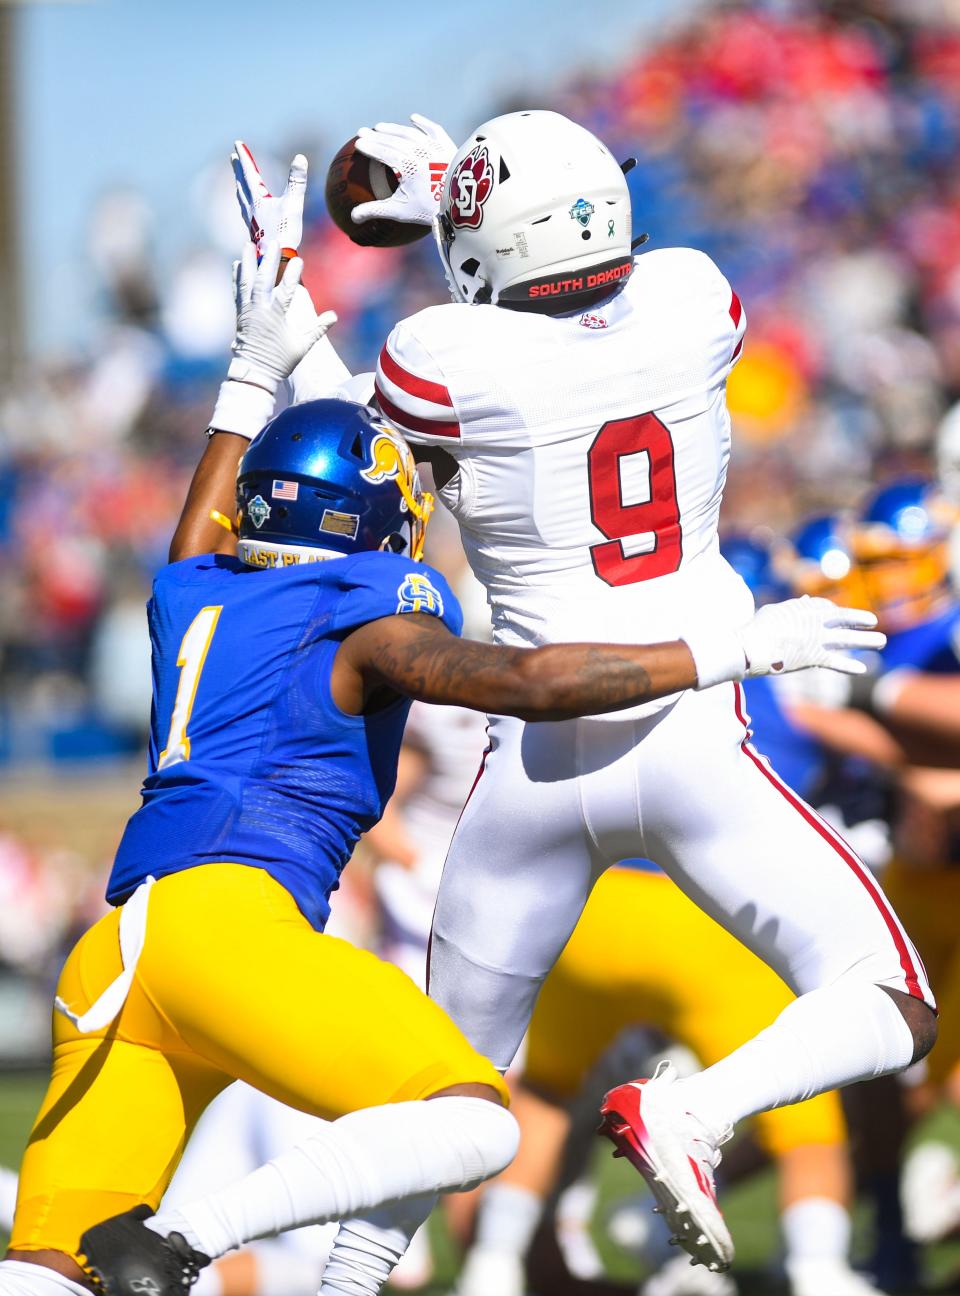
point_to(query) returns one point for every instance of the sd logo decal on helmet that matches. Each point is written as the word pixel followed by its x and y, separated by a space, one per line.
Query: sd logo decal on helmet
pixel 470 187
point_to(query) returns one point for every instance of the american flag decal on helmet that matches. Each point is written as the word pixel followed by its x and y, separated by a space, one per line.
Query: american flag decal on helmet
pixel 285 490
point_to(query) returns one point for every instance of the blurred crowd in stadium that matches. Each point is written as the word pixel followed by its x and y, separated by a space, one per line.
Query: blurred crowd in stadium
pixel 810 148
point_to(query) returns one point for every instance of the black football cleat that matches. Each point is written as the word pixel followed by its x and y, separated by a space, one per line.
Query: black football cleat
pixel 125 1258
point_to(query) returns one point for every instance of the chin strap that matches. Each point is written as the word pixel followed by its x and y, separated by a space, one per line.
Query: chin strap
pixel 221 519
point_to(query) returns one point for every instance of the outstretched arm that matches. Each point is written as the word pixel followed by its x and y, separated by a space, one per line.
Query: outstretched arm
pixel 416 655
pixel 270 342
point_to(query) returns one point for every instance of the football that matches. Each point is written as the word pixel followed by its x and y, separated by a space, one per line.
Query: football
pixel 353 178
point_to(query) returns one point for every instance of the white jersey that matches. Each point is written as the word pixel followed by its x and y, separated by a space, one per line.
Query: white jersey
pixel 592 451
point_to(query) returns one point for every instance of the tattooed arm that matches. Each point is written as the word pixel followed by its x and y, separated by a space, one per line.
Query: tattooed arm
pixel 417 656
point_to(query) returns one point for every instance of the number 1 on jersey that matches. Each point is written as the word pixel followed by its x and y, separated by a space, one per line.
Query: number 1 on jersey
pixel 194 647
pixel 659 516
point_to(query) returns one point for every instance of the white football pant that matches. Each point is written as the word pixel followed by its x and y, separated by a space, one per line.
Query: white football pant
pixel 558 803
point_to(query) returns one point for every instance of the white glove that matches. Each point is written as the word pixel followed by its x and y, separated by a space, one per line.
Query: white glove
pixel 270 218
pixel 788 636
pixel 419 156
pixel 270 342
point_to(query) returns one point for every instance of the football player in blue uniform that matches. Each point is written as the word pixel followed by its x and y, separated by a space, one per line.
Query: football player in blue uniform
pixel 282 676
pixel 893 737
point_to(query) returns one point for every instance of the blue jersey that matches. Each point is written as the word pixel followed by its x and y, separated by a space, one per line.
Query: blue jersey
pixel 251 761
pixel 932 645
pixel 795 755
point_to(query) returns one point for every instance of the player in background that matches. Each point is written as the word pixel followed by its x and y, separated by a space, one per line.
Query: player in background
pixel 894 749
pixel 441 754
pixel 282 679
pixel 571 402
pixel 902 542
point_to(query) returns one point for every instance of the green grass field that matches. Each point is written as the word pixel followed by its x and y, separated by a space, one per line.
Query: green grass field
pixel 750 1207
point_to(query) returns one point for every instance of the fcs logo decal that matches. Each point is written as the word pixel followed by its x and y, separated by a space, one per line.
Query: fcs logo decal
pixel 581 211
pixel 258 510
pixel 417 594
pixel 470 187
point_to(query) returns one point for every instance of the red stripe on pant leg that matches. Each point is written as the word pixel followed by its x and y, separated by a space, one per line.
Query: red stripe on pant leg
pixel 841 848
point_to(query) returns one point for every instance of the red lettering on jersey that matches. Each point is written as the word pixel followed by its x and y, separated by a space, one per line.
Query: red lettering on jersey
pixel 736 310
pixel 659 516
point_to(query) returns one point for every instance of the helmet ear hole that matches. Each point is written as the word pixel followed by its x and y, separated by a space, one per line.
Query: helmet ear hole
pixel 470 266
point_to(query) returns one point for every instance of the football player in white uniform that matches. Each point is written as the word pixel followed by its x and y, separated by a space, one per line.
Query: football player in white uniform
pixel 571 401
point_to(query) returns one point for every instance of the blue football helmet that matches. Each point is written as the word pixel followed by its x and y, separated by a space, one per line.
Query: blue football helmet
pixel 821 560
pixel 325 479
pixel 901 549
pixel 753 561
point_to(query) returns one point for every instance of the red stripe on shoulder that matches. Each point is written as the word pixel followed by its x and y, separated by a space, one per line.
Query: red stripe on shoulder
pixel 413 421
pixel 422 388
pixel 736 310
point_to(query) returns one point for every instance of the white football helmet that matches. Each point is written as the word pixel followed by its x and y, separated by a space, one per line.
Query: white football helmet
pixel 948 453
pixel 534 208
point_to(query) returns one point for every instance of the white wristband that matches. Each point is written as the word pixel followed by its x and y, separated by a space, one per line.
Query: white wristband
pixel 718 656
pixel 242 408
pixel 888 688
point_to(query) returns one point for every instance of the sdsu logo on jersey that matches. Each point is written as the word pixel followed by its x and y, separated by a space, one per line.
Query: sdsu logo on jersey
pixel 419 594
pixel 470 187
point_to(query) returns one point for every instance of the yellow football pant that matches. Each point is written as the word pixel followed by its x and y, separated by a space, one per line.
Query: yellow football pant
pixel 928 903
pixel 233 983
pixel 644 954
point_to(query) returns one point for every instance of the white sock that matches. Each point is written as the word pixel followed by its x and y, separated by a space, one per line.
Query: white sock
pixel 366 1251
pixel 8 1198
pixel 848 1031
pixel 508 1219
pixel 284 1271
pixel 19 1279
pixel 353 1166
pixel 816 1228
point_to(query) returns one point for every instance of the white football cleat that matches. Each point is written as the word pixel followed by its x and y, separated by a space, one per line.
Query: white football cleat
pixel 677 1155
pixel 487 1272
pixel 827 1278
pixel 930 1192
pixel 679 1277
